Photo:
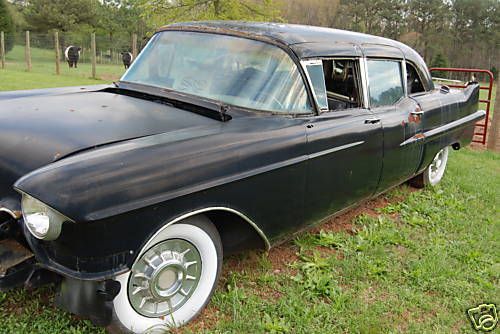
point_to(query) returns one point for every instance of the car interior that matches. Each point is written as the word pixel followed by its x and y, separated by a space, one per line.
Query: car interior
pixel 413 80
pixel 341 84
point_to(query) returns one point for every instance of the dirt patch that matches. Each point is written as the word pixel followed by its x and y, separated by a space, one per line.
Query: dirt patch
pixel 343 222
pixel 282 256
pixel 241 263
pixel 372 294
pixel 329 251
pixel 207 319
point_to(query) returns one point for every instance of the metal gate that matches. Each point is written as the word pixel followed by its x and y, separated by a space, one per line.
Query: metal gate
pixel 481 131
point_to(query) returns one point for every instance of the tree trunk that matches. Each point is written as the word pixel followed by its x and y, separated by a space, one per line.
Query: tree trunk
pixel 217 7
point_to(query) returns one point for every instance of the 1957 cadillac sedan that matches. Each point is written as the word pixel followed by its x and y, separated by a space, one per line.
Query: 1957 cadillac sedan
pixel 221 137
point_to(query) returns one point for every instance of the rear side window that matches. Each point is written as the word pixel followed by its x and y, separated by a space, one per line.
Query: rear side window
pixel 341 76
pixel 385 82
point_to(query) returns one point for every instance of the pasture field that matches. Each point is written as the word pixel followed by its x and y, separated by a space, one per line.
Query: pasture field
pixel 407 261
pixel 42 75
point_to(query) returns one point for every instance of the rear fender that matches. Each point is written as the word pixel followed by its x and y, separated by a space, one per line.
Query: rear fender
pixel 455 123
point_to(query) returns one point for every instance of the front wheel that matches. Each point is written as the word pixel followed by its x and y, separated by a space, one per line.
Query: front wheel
pixel 433 174
pixel 171 281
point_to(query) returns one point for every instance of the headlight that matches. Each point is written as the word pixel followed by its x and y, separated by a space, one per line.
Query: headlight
pixel 42 221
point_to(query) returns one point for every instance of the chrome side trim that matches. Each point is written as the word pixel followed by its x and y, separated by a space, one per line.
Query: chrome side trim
pixel 414 139
pixel 478 115
pixel 335 149
pixel 12 213
pixel 404 79
pixel 208 209
pixel 464 121
pixel 363 67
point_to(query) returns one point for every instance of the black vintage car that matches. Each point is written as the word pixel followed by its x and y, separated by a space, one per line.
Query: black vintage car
pixel 221 137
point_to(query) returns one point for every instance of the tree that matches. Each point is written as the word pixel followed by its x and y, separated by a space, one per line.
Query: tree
pixel 121 16
pixel 63 15
pixel 6 25
pixel 119 19
pixel 312 12
pixel 439 61
pixel 162 12
pixel 429 19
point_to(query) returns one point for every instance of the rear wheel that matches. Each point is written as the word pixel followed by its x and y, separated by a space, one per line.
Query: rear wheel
pixel 434 173
pixel 171 281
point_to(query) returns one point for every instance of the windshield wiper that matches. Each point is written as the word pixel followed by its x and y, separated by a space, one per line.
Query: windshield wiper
pixel 209 108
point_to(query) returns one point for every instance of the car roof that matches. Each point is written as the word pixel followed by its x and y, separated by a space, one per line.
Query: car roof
pixel 311 41
pixel 288 34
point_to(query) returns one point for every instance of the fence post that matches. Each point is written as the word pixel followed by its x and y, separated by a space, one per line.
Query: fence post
pixel 93 55
pixel 56 42
pixel 28 52
pixel 2 48
pixel 134 45
pixel 494 130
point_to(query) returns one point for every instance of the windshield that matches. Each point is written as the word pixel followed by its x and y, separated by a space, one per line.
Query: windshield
pixel 233 70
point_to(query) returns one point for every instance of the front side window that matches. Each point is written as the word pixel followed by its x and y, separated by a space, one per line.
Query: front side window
pixel 385 82
pixel 233 70
pixel 317 77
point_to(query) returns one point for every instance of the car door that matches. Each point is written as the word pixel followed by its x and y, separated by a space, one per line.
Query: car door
pixel 345 156
pixel 400 117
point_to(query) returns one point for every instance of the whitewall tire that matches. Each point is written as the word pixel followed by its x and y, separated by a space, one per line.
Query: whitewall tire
pixel 172 279
pixel 433 174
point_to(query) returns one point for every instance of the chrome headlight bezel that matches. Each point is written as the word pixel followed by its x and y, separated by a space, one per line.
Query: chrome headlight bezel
pixel 42 221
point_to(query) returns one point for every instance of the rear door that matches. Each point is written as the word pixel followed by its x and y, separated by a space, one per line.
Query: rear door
pixel 400 117
pixel 344 142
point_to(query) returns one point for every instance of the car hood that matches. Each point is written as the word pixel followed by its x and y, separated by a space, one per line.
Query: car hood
pixel 51 124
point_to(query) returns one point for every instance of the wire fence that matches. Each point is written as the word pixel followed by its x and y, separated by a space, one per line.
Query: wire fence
pixel 37 51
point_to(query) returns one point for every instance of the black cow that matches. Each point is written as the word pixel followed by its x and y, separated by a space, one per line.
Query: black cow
pixel 127 59
pixel 72 55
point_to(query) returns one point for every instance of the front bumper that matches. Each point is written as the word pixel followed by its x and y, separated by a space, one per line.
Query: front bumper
pixel 19 268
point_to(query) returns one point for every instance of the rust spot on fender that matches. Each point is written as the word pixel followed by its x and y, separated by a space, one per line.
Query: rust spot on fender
pixel 419 136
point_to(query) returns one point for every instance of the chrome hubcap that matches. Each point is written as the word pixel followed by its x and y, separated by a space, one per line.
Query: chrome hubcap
pixel 164 278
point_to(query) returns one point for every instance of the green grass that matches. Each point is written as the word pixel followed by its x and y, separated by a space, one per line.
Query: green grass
pixel 42 75
pixel 415 264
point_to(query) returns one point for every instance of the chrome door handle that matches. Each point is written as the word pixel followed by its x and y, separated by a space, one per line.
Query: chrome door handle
pixel 372 120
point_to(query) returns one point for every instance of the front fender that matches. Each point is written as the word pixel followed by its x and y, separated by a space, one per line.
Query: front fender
pixel 120 195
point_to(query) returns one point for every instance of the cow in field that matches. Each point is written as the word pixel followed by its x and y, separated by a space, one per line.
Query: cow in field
pixel 72 55
pixel 127 59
